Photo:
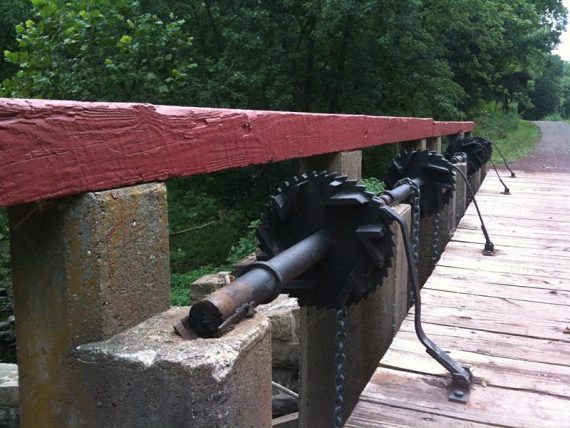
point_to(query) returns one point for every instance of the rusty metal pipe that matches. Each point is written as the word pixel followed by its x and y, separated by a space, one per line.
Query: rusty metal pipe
pixel 261 284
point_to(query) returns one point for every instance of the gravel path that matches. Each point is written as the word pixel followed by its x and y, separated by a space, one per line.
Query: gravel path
pixel 552 153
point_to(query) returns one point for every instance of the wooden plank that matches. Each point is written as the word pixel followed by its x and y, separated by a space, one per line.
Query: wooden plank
pixel 374 415
pixel 494 344
pixel 471 221
pixel 503 266
pixel 478 287
pixel 445 273
pixel 407 353
pixel 451 128
pixel 473 236
pixel 497 315
pixel 490 405
pixel 510 253
pixel 57 148
pixel 507 316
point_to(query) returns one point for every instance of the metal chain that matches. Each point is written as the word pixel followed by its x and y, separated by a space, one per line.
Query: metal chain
pixel 436 233
pixel 340 360
pixel 415 198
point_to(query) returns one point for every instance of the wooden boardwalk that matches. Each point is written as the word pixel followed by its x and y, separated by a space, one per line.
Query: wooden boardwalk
pixel 506 316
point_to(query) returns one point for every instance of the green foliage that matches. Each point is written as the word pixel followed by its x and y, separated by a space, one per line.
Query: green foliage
pixel 374 185
pixel 12 13
pixel 180 284
pixel 447 59
pixel 515 138
pixel 245 245
pixel 110 51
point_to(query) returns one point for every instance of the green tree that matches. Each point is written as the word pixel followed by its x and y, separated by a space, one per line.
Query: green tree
pixel 12 12
pixel 546 96
pixel 108 50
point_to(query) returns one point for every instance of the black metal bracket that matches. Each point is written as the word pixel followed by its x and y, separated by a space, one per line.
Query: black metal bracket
pixel 461 375
pixel 247 310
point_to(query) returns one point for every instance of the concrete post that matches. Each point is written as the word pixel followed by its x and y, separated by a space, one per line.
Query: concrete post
pixel 460 193
pixel 475 180
pixel 84 268
pixel 149 377
pixel 343 163
pixel 371 326
pixel 434 144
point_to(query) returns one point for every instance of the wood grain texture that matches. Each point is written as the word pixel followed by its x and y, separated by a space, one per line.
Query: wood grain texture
pixel 58 148
pixel 506 316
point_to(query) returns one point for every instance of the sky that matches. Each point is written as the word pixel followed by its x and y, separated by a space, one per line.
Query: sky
pixel 564 48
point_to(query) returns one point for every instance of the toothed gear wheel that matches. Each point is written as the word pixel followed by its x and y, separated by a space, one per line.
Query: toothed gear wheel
pixel 362 244
pixel 478 151
pixel 436 173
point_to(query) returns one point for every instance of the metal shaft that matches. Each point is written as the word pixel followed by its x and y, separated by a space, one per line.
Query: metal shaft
pixel 261 284
pixel 265 280
pixel 400 193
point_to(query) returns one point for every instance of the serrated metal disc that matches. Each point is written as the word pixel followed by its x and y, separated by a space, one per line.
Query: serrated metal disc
pixel 434 169
pixel 357 261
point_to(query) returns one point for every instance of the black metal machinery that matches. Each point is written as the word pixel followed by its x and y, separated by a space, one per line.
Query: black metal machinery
pixel 328 242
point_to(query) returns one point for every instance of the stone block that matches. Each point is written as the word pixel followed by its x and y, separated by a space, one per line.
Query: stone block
pixel 84 269
pixel 283 313
pixel 243 265
pixel 150 377
pixel 208 284
pixel 9 397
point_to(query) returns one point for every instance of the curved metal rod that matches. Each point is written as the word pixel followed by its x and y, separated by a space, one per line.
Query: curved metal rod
pixel 507 190
pixel 489 246
pixel 460 374
pixel 504 160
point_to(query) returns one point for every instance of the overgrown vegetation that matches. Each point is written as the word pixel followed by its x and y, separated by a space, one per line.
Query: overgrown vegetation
pixel 515 138
pixel 447 59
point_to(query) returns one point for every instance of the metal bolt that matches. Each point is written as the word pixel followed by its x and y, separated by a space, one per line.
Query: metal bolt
pixel 458 393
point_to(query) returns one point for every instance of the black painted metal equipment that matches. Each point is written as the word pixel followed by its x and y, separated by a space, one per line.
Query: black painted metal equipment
pixel 489 248
pixel 328 242
pixel 478 151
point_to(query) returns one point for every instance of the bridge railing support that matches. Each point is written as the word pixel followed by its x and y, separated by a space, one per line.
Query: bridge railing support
pixel 91 265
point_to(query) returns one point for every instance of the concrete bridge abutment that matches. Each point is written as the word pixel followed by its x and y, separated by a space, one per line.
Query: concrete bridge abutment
pixel 96 345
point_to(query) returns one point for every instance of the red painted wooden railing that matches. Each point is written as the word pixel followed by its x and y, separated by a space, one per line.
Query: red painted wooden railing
pixel 58 148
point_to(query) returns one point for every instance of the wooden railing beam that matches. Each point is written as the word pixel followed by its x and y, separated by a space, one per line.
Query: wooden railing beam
pixel 58 148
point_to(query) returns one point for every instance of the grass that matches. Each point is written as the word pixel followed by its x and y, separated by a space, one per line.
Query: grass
pixel 515 138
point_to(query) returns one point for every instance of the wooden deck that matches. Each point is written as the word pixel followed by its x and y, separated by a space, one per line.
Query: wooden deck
pixel 506 316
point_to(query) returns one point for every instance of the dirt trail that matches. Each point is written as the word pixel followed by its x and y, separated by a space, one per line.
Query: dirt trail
pixel 552 153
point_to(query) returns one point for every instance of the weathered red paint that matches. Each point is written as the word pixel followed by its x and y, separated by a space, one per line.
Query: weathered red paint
pixel 57 148
pixel 449 128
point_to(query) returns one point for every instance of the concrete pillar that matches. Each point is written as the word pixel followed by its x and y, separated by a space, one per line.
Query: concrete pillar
pixel 434 144
pixel 484 171
pixel 84 269
pixel 426 242
pixel 149 377
pixel 448 220
pixel 475 181
pixel 343 163
pixel 460 193
pixel 371 326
